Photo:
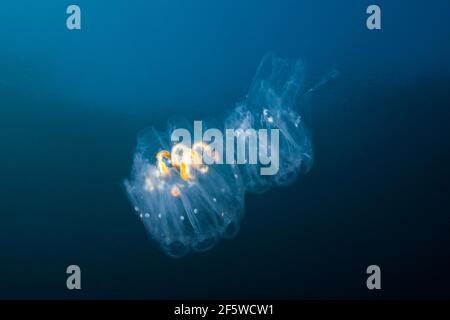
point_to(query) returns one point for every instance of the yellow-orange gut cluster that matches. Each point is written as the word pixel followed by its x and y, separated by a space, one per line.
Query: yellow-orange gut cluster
pixel 182 159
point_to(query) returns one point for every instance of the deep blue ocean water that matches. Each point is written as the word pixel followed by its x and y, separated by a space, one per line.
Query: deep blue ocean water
pixel 73 102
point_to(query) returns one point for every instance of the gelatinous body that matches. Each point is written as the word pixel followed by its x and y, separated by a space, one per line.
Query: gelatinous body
pixel 273 102
pixel 187 205
pixel 183 206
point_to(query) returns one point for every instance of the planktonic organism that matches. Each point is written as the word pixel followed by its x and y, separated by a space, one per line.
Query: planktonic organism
pixel 187 205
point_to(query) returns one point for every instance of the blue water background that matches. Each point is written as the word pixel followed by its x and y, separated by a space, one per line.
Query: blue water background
pixel 72 103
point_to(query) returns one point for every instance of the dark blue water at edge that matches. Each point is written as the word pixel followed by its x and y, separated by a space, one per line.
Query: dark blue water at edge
pixel 72 105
